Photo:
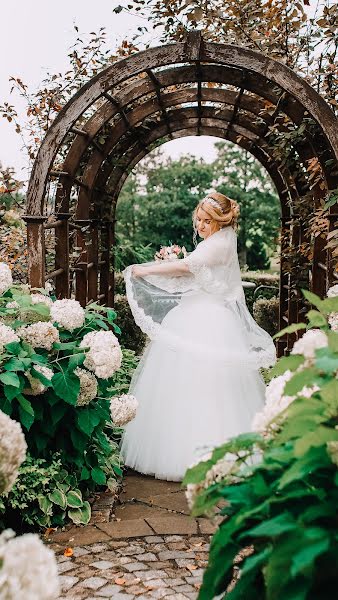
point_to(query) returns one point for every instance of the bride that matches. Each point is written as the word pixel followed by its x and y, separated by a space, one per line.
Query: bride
pixel 198 381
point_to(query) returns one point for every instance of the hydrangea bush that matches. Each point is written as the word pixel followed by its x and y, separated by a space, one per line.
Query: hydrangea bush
pixel 276 488
pixel 58 370
pixel 28 570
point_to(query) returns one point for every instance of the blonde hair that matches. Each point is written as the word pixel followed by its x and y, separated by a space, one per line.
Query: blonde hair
pixel 223 211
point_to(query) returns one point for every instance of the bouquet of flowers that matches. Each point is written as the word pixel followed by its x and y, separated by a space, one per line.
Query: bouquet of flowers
pixel 171 252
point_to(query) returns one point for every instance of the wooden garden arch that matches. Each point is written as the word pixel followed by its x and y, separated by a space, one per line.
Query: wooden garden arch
pixel 181 89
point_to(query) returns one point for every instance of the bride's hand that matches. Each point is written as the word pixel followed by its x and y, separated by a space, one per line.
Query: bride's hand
pixel 139 271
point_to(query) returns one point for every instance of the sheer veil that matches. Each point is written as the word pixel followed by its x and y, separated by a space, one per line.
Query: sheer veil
pixel 214 280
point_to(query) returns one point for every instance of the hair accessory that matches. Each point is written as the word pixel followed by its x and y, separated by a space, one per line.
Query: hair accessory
pixel 213 202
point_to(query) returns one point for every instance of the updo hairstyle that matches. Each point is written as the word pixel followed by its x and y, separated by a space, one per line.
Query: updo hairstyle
pixel 222 210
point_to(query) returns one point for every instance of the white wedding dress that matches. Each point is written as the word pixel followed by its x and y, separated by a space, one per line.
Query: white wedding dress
pixel 197 382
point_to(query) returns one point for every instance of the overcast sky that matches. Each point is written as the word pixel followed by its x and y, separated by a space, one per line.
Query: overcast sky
pixel 35 37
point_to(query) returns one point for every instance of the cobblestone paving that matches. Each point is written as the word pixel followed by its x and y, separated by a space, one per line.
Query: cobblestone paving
pixel 145 545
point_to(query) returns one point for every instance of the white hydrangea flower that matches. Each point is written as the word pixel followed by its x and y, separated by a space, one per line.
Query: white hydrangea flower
pixel 191 493
pixel 13 304
pixel 123 409
pixel 333 317
pixel 221 469
pixel 88 386
pixel 13 449
pixel 310 341
pixel 7 336
pixel 48 287
pixel 41 298
pixel 99 339
pixel 42 334
pixel 276 402
pixel 36 386
pixel 332 291
pixel 29 569
pixel 333 321
pixel 6 279
pixel 332 448
pixel 105 355
pixel 68 313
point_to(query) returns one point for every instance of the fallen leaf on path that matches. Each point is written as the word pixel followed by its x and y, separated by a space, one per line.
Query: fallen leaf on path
pixel 48 531
pixel 120 581
pixel 191 567
pixel 68 552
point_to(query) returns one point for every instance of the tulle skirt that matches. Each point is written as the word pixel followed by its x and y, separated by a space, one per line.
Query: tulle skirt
pixel 189 400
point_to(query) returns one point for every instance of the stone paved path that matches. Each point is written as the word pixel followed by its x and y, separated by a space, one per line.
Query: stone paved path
pixel 146 546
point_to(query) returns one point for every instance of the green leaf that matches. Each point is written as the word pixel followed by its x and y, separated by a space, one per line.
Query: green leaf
pixel 25 404
pixel 316 319
pixel 272 527
pixel 58 497
pixel 326 360
pixel 318 542
pixel 329 305
pixel 313 299
pixel 14 348
pixel 291 362
pixel 64 345
pixel 45 505
pixel 333 340
pixel 316 438
pixel 98 476
pixel 85 474
pixel 38 359
pixel 87 420
pixel 14 364
pixel 47 382
pixel 76 360
pixel 306 377
pixel 66 386
pixel 80 515
pixel 315 458
pixel 74 499
pixel 26 418
pixel 10 379
pixel 290 329
pixel 11 392
pixel 80 441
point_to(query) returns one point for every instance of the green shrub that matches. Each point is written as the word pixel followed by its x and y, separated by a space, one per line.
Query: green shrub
pixel 63 411
pixel 278 490
pixel 44 494
pixel 266 314
pixel 119 284
pixel 268 280
pixel 131 337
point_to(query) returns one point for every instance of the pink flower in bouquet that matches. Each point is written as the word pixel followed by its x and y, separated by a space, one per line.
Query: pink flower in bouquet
pixel 171 252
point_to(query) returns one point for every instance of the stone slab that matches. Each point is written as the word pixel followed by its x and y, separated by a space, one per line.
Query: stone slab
pixel 125 529
pixel 173 501
pixel 138 511
pixel 173 524
pixel 80 536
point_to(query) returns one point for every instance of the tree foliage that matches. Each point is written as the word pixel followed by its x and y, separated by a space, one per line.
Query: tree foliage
pixel 157 202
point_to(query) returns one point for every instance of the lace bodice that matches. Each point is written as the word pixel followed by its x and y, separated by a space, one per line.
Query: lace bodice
pixel 214 272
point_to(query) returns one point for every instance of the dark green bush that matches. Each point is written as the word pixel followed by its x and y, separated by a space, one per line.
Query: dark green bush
pixel 266 314
pixel 131 337
pixel 45 493
pixel 270 281
pixel 119 285
pixel 278 489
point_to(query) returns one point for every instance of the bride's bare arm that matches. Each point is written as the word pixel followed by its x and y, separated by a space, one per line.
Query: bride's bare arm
pixel 177 267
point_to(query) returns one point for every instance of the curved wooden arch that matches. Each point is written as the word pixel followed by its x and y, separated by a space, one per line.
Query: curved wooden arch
pixel 193 87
